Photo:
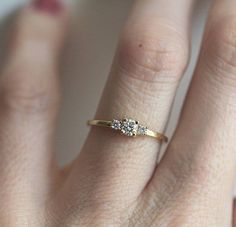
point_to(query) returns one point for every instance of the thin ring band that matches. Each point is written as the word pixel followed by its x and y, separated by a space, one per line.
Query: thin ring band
pixel 129 127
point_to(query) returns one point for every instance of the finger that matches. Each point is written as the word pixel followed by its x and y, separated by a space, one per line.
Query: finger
pixel 28 105
pixel 151 58
pixel 201 158
pixel 234 213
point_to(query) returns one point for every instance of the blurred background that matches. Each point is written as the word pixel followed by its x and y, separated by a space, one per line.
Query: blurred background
pixel 91 43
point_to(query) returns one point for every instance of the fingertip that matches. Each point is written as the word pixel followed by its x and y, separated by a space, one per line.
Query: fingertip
pixel 53 7
pixel 43 21
pixel 51 10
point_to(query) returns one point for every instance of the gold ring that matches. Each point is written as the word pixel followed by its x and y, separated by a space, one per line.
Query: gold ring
pixel 129 127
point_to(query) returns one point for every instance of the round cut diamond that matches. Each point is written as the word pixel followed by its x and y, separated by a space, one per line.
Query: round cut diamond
pixel 129 127
pixel 142 130
pixel 116 124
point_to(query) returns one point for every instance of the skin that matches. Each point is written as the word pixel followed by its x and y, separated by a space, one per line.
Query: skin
pixel 115 180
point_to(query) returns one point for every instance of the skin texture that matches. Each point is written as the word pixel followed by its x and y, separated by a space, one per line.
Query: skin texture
pixel 115 180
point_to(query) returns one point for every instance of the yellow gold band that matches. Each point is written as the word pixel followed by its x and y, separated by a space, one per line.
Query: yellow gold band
pixel 129 127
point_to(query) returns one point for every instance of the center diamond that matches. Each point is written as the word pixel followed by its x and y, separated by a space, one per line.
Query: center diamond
pixel 129 127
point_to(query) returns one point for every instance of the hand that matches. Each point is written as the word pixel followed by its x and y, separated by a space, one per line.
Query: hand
pixel 115 181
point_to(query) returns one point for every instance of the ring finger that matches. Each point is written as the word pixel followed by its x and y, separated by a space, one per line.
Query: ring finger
pixel 151 58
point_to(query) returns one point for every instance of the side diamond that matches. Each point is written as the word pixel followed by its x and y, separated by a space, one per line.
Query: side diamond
pixel 116 124
pixel 142 130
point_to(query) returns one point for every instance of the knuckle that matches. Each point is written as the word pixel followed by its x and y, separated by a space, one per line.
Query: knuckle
pixel 220 47
pixel 198 170
pixel 153 57
pixel 20 93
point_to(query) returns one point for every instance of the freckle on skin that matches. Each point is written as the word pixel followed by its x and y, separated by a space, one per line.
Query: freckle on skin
pixel 140 45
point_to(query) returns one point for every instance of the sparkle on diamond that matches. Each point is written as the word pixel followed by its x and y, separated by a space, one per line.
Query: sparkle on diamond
pixel 142 130
pixel 116 124
pixel 129 127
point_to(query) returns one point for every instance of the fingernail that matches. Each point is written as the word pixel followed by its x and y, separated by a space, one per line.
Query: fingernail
pixel 50 6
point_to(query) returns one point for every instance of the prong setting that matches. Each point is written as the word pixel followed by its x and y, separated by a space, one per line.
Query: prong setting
pixel 116 124
pixel 129 127
pixel 142 130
